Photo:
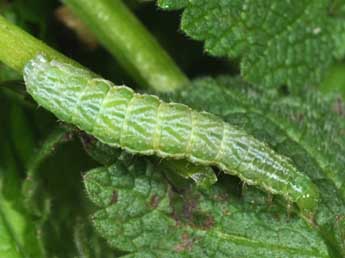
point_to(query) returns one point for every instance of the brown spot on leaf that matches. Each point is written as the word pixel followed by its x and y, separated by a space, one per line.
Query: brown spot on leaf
pixel 340 218
pixel 185 245
pixel 277 216
pixel 154 201
pixel 186 212
pixel 208 222
pixel 86 139
pixel 68 136
pixel 226 212
pixel 189 207
pixel 114 197
pixel 298 117
pixel 221 197
pixel 340 221
pixel 175 216
pixel 339 107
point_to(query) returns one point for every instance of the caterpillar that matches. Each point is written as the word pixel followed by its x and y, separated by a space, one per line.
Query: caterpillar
pixel 143 124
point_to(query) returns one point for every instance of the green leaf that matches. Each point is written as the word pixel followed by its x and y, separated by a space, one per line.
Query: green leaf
pixel 141 214
pixel 8 246
pixel 88 243
pixel 18 232
pixel 55 196
pixel 18 237
pixel 335 80
pixel 337 10
pixel 308 129
pixel 36 200
pixel 339 37
pixel 172 4
pixel 279 42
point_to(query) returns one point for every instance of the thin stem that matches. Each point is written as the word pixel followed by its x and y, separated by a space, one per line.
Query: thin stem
pixel 30 185
pixel 129 41
pixel 17 47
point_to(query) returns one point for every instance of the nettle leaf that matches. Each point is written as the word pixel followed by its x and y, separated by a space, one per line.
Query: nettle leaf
pixel 279 42
pixel 172 4
pixel 337 11
pixel 36 199
pixel 54 194
pixel 308 129
pixel 141 214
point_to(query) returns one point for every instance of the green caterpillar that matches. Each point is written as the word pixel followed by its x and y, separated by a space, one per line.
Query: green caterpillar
pixel 146 125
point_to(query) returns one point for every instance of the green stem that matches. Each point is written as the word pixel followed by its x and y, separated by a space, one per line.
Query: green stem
pixel 130 42
pixel 18 238
pixel 17 47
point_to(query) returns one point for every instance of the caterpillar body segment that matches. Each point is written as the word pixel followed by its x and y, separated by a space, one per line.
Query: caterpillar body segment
pixel 144 124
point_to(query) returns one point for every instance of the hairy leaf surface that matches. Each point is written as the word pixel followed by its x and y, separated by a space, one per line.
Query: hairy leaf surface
pixel 140 214
pixel 53 194
pixel 279 42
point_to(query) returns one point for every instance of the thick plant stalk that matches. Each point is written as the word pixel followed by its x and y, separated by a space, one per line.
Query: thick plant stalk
pixel 17 47
pixel 144 124
pixel 129 41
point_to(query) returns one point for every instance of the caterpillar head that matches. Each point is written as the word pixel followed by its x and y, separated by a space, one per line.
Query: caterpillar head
pixel 308 201
pixel 33 69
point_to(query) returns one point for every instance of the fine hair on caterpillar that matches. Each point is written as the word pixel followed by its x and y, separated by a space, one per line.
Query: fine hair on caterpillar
pixel 144 124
